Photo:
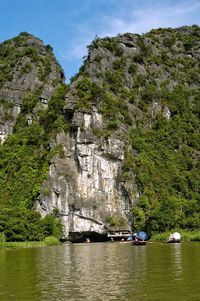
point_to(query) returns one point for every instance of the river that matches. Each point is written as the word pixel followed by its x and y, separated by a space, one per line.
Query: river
pixel 101 271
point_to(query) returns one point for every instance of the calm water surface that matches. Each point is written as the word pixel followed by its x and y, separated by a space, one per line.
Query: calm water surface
pixel 101 271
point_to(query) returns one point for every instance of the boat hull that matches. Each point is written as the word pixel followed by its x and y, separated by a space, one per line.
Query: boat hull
pixel 138 243
pixel 173 241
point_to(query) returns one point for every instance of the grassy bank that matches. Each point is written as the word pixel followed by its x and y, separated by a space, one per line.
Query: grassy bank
pixel 48 241
pixel 185 235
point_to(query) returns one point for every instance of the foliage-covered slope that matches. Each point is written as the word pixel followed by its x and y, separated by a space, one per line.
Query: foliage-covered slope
pixel 147 88
pixel 31 98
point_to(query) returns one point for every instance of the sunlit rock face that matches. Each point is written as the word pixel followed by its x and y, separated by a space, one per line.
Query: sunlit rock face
pixel 124 132
pixel 84 185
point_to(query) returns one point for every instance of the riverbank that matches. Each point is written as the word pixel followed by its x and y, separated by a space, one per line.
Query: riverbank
pixel 48 241
pixel 185 235
pixel 53 241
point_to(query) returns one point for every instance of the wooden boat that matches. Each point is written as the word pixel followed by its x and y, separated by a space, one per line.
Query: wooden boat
pixel 127 241
pixel 139 242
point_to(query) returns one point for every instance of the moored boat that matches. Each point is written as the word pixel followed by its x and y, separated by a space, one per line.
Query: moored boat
pixel 139 242
pixel 174 238
pixel 139 238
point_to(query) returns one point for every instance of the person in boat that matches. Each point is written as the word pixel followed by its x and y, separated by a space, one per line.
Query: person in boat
pixel 140 236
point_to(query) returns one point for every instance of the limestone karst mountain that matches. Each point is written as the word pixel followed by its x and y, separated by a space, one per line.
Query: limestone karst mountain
pixel 116 147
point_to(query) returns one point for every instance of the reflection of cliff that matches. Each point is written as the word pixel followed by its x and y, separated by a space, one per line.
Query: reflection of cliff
pixel 101 271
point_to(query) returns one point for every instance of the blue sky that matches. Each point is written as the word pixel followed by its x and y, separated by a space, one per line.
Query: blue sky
pixel 70 25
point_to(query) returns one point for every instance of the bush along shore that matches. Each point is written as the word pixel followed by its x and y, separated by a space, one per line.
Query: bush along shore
pixel 26 228
pixel 185 235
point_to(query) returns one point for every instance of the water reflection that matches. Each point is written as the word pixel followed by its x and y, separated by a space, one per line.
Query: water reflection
pixel 18 275
pixel 101 271
pixel 91 271
pixel 177 261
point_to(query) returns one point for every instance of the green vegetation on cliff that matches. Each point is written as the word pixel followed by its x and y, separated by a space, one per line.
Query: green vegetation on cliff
pixel 150 99
pixel 25 156
pixel 23 54
pixel 24 161
pixel 147 90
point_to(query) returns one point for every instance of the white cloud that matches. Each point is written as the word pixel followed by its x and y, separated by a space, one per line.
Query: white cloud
pixel 138 21
pixel 76 50
pixel 143 20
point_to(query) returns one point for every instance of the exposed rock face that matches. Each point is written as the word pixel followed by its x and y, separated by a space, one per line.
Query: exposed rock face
pixel 126 128
pixel 84 185
pixel 125 84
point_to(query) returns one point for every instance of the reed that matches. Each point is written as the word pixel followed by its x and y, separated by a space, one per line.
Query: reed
pixel 190 236
pixel 48 241
pixel 160 236
pixel 185 235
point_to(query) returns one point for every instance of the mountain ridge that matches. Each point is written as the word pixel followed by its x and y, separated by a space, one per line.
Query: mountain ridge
pixel 122 138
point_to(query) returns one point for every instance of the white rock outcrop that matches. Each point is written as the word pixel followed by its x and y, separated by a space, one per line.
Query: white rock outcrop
pixel 84 185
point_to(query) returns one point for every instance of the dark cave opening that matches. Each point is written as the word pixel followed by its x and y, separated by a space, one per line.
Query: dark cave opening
pixel 87 236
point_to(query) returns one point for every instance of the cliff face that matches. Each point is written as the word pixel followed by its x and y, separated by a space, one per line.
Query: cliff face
pixel 127 108
pixel 83 185
pixel 120 144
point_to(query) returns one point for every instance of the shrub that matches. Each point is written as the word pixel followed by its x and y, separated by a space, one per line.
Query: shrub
pixel 2 237
pixel 51 241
